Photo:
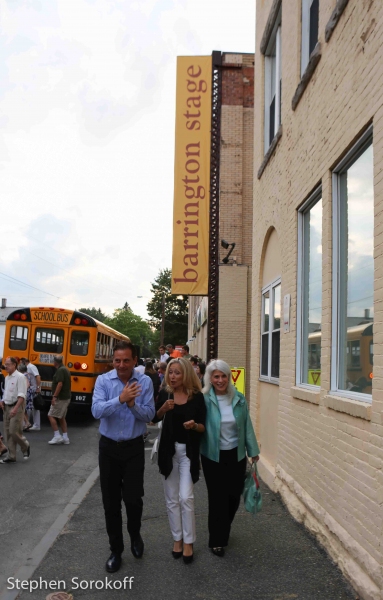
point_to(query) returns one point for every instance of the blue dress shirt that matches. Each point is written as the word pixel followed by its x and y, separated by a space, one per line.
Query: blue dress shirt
pixel 118 421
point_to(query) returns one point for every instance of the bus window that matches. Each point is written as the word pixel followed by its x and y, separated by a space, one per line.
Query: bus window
pixel 79 343
pixel 48 340
pixel 353 354
pixel 18 338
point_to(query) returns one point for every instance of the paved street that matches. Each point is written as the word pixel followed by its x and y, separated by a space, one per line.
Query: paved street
pixel 270 557
pixel 34 492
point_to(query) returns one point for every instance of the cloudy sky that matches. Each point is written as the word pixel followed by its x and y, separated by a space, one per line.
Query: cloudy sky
pixel 87 135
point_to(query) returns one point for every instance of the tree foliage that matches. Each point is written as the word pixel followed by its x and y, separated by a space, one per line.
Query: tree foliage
pixel 176 309
pixel 139 331
pixel 96 313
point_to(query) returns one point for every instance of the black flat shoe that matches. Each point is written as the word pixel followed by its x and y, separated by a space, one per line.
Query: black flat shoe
pixel 177 554
pixel 137 546
pixel 113 563
pixel 218 551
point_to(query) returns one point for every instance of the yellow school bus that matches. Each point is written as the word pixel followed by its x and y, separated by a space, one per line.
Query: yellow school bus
pixel 359 358
pixel 42 333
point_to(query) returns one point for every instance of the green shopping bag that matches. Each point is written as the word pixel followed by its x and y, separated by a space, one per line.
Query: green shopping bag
pixel 252 492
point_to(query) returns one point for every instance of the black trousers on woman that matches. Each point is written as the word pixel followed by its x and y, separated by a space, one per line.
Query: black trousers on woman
pixel 224 481
pixel 122 467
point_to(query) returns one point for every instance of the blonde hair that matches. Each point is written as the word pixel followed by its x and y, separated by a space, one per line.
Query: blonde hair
pixel 190 381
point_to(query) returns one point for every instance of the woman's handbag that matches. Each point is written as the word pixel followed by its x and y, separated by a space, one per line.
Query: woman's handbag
pixel 38 402
pixel 252 492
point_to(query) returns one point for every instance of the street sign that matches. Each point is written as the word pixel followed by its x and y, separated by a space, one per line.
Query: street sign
pixel 238 378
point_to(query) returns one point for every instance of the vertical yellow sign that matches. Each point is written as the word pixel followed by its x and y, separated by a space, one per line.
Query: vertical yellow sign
pixel 190 268
pixel 238 378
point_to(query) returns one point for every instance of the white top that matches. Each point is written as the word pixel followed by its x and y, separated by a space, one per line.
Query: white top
pixel 140 369
pixel 163 357
pixel 15 386
pixel 229 433
pixel 33 372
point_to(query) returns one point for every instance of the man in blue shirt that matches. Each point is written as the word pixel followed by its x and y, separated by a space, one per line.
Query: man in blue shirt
pixel 123 401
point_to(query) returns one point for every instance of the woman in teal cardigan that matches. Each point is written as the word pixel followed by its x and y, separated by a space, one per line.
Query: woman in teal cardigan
pixel 228 436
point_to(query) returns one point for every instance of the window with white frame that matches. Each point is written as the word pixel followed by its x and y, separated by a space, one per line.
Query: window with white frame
pixel 309 327
pixel 353 267
pixel 310 26
pixel 273 83
pixel 270 331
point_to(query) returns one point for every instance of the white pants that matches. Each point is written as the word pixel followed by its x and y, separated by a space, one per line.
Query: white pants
pixel 36 417
pixel 179 496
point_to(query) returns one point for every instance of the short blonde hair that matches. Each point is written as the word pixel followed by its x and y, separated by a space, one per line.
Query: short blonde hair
pixel 190 381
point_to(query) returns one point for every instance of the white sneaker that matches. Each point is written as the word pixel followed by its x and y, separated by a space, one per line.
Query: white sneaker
pixel 66 441
pixel 34 428
pixel 56 440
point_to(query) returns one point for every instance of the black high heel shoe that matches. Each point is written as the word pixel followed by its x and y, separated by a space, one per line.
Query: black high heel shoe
pixel 188 559
pixel 176 553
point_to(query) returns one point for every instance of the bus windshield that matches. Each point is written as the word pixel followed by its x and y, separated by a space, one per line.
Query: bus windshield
pixel 48 340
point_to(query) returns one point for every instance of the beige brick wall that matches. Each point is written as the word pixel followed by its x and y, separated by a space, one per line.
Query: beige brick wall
pixel 328 464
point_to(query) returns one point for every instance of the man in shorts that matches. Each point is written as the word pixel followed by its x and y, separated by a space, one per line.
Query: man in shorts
pixel 61 394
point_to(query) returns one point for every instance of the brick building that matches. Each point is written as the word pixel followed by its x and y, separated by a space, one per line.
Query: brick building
pixel 317 311
pixel 233 221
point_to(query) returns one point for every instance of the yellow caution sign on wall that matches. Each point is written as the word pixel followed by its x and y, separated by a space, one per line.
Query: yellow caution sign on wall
pixel 238 378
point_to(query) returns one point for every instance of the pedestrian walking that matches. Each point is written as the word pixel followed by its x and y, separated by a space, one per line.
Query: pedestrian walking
pixel 229 435
pixel 35 388
pixel 13 405
pixel 123 401
pixel 181 407
pixel 61 396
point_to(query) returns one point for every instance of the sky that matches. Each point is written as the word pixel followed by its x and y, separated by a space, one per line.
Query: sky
pixel 87 112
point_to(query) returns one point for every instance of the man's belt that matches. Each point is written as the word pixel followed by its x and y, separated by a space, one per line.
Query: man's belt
pixel 122 443
pixel 11 405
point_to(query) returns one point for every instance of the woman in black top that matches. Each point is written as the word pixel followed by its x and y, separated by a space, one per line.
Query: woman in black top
pixel 182 408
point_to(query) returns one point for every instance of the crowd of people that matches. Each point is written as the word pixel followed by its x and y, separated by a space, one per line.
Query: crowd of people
pixel 18 393
pixel 203 422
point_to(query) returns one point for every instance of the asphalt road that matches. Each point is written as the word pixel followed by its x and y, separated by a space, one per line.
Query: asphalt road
pixel 34 492
pixel 270 557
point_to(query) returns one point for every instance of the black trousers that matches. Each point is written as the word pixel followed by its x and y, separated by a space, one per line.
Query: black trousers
pixel 122 478
pixel 224 481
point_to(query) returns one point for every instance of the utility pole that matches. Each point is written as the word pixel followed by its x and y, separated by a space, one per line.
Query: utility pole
pixel 163 320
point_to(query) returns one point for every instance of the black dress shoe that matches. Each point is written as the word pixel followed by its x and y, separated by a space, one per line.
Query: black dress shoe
pixel 137 546
pixel 113 563
pixel 218 551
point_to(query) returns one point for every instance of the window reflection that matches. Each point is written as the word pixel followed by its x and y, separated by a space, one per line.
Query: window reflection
pixel 312 293
pixel 356 275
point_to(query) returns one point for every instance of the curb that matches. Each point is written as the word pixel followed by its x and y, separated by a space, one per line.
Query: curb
pixel 25 571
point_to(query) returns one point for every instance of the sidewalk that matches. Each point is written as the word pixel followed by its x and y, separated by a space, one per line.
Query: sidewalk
pixel 270 556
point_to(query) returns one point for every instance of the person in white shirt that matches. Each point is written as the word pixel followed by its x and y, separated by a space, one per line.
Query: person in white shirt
pixel 13 405
pixel 163 354
pixel 35 388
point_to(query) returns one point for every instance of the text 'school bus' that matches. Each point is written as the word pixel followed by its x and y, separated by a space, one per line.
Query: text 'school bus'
pixel 40 334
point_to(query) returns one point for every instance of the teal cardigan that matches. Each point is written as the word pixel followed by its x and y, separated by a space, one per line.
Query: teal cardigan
pixel 247 442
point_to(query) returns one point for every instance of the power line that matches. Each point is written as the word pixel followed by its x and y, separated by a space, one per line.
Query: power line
pixel 19 282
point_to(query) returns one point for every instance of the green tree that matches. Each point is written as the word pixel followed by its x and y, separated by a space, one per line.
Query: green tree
pixel 96 313
pixel 176 309
pixel 139 331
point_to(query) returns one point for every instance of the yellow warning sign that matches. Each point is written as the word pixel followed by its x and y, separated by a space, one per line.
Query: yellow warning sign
pixel 238 377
